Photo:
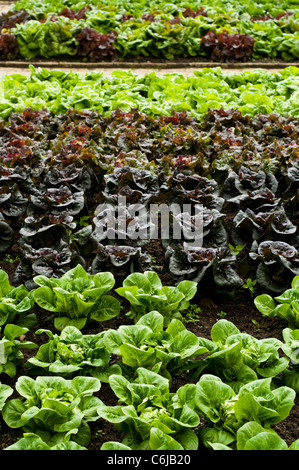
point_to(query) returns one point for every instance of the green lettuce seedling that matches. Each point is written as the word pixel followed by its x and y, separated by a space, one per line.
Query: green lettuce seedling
pixel 146 344
pixel 145 405
pixel 285 306
pixel 77 297
pixel 5 392
pixel 15 303
pixel 239 358
pixel 146 293
pixel 72 353
pixel 227 411
pixel 54 408
pixel 31 441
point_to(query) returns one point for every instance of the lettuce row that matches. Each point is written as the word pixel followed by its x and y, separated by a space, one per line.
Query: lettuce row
pixel 200 29
pixel 249 92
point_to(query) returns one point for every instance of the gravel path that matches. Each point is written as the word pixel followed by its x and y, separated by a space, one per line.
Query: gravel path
pixel 5 6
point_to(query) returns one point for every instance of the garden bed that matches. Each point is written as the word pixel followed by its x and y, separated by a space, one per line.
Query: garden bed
pixel 202 31
pixel 72 143
pixel 241 312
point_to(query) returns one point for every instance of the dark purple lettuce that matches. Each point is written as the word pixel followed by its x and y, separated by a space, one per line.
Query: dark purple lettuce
pixel 225 47
pixel 277 264
pixel 9 48
pixel 12 203
pixel 45 261
pixel 6 236
pixel 56 201
pixel 193 189
pixel 273 225
pixel 121 260
pixel 213 268
pixel 95 46
pixel 74 14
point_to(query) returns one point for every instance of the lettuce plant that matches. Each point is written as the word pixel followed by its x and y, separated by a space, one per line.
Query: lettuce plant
pixel 226 411
pixel 146 344
pixel 54 408
pixel 277 264
pixel 260 225
pixel 186 188
pixel 9 49
pixel 10 19
pixel 47 39
pixel 31 441
pixel 250 436
pixel 77 297
pixel 284 306
pixel 5 392
pixel 244 185
pixel 239 358
pixel 11 347
pixel 46 261
pixel 95 46
pixel 146 293
pixel 146 403
pixel 15 303
pixel 56 201
pixel 72 353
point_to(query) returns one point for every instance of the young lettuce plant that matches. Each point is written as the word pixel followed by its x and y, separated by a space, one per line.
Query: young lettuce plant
pixel 290 376
pixel 31 441
pixel 158 440
pixel 72 353
pixel 5 392
pixel 277 264
pixel 284 306
pixel 77 297
pixel 121 260
pixel 239 358
pixel 146 403
pixel 54 408
pixel 226 412
pixel 274 224
pixel 6 236
pixel 146 344
pixel 213 268
pixel 11 347
pixel 145 293
pixel 15 304
pixel 251 436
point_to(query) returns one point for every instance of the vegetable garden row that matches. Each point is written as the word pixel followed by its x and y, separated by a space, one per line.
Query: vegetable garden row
pixel 217 30
pixel 87 316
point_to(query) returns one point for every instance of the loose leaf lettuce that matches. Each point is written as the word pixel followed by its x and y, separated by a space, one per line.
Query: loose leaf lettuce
pixel 145 293
pixel 77 297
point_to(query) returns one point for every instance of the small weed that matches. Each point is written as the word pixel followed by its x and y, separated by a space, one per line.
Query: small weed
pixel 193 314
pixel 8 259
pixel 250 285
pixel 236 249
pixel 221 314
